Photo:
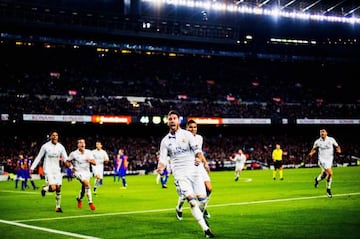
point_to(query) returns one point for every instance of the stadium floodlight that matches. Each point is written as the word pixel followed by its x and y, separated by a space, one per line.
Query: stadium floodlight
pixel 333 7
pixel 260 9
pixel 351 11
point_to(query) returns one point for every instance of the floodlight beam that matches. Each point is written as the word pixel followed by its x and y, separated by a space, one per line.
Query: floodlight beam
pixel 311 5
pixel 288 4
pixel 351 11
pixel 333 7
pixel 263 3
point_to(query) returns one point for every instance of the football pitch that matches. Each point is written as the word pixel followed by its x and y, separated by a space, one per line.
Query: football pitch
pixel 256 206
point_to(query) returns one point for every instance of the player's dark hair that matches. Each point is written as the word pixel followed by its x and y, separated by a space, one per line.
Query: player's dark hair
pixel 174 112
pixel 191 122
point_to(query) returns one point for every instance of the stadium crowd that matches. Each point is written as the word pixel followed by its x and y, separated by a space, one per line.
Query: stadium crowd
pixel 67 80
pixel 64 80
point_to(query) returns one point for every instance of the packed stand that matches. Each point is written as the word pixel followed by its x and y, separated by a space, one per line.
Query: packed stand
pixel 82 81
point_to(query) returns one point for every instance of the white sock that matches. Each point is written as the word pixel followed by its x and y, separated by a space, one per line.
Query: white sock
pixel 89 195
pixel 198 215
pixel 58 199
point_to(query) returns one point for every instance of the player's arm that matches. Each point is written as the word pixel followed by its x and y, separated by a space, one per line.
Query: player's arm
pixel 68 162
pixel 199 155
pixel 312 152
pixel 161 164
pixel 163 158
pixel 202 159
pixel 234 158
pixel 106 158
pixel 338 149
pixel 91 161
pixel 40 155
pixel 160 168
pixel 63 154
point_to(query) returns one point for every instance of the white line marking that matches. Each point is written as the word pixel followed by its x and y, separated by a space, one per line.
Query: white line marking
pixel 23 191
pixel 48 230
pixel 171 209
pixel 283 200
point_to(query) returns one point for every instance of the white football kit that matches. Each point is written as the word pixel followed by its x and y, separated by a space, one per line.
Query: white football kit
pixel 81 163
pixel 325 151
pixel 181 148
pixel 53 154
pixel 240 160
pixel 100 156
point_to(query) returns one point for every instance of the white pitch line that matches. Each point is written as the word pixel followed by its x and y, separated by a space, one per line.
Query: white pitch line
pixel 48 230
pixel 22 191
pixel 282 200
pixel 171 209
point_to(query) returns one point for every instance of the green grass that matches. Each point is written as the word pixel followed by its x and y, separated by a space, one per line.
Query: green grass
pixel 254 207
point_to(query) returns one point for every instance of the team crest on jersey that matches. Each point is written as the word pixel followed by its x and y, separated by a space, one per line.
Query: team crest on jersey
pixel 183 140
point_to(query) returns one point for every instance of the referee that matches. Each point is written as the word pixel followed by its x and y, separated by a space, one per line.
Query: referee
pixel 278 164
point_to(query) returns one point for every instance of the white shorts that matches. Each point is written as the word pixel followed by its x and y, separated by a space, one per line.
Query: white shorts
pixel 239 166
pixel 203 174
pixel 190 186
pixel 325 164
pixel 53 178
pixel 84 175
pixel 98 170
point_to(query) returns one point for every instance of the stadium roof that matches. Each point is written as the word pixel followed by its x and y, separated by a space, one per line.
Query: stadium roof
pixel 346 11
pixel 342 8
pixel 191 23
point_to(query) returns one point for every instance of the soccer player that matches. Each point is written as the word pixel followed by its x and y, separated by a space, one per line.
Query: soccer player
pixel 27 164
pixel 20 175
pixel 20 172
pixel 276 156
pixel 180 145
pixel 192 127
pixel 53 153
pixel 121 166
pixel 325 147
pixel 239 160
pixel 101 156
pixel 79 162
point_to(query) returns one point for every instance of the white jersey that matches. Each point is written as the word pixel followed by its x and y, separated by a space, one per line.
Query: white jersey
pixel 181 149
pixel 325 148
pixel 80 163
pixel 240 160
pixel 100 157
pixel 52 155
pixel 203 173
pixel 199 140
